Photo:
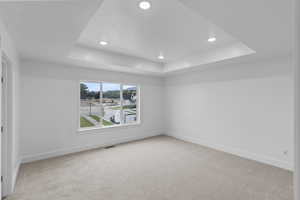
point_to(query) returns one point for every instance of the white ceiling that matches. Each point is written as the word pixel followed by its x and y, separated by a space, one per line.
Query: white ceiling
pixel 46 29
pixel 69 31
pixel 263 25
pixel 169 27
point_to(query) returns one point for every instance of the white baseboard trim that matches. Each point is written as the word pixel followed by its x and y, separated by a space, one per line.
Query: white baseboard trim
pixel 220 147
pixel 235 151
pixel 61 152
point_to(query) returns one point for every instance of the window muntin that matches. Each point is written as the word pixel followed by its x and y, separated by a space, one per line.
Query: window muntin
pixel 104 104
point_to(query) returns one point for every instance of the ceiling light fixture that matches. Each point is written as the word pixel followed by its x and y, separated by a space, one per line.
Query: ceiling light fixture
pixel 145 5
pixel 103 43
pixel 161 57
pixel 212 39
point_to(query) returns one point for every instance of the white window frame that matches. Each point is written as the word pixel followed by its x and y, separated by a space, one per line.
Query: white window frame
pixel 138 106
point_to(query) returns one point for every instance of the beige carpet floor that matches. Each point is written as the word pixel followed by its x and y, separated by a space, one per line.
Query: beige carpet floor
pixel 159 168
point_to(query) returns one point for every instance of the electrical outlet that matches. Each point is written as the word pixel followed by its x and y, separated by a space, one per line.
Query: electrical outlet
pixel 286 152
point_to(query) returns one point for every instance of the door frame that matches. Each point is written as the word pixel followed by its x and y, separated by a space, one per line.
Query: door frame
pixel 4 166
pixel 7 167
pixel 296 63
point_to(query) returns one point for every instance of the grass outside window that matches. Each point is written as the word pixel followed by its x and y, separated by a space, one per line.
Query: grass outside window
pixel 85 123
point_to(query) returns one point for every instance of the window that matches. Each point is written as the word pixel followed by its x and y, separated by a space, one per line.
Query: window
pixel 111 101
pixel 129 104
pixel 90 107
pixel 104 104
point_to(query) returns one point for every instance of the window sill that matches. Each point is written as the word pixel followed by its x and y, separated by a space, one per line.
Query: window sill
pixel 91 130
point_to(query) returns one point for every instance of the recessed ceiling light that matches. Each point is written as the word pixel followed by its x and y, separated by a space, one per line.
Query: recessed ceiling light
pixel 145 5
pixel 161 57
pixel 212 39
pixel 103 43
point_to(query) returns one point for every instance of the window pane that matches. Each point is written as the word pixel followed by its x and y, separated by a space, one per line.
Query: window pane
pixel 111 104
pixel 90 107
pixel 129 104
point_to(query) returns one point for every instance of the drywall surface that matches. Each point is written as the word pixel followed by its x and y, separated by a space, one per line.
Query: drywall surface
pixel 244 109
pixel 50 110
pixel 9 51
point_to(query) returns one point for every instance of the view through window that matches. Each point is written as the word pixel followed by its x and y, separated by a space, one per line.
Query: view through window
pixel 105 104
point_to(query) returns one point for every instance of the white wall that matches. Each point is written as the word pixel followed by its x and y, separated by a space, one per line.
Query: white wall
pixel 244 109
pixel 49 110
pixel 9 50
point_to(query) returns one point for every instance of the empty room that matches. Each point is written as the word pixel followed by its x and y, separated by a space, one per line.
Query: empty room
pixel 150 99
